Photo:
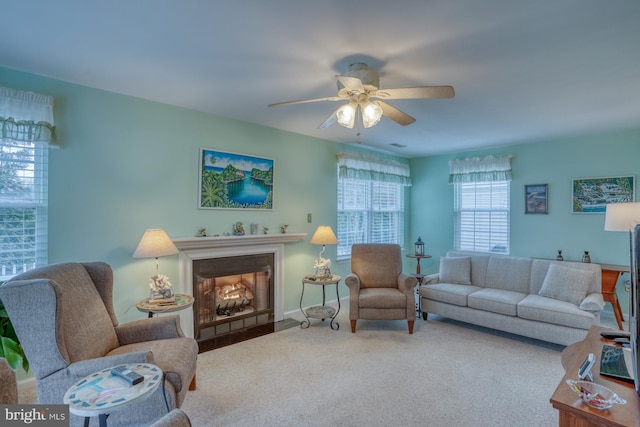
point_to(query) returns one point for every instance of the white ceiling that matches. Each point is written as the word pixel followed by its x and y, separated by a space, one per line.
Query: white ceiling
pixel 522 71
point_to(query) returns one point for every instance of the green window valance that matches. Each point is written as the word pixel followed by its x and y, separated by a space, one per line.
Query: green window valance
pixel 26 116
pixel 364 166
pixel 480 169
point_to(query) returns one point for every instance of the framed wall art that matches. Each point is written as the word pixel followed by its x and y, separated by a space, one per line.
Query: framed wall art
pixel 535 197
pixel 592 195
pixel 234 181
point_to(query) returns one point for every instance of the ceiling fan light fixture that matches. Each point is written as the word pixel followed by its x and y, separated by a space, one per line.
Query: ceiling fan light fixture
pixel 346 114
pixel 371 113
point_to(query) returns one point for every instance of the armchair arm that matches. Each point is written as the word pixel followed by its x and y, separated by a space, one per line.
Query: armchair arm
pixel 593 303
pixel 155 328
pixel 406 283
pixel 353 282
pixel 82 368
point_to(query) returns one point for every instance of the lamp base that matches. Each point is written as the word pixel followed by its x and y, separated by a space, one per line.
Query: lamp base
pixel 322 268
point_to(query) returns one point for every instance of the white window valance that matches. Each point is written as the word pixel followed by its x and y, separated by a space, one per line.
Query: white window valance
pixel 364 166
pixel 26 116
pixel 480 169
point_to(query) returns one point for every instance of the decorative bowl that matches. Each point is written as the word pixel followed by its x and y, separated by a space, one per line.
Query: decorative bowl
pixel 595 395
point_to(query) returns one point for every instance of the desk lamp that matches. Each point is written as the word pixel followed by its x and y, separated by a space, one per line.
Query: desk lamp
pixel 323 236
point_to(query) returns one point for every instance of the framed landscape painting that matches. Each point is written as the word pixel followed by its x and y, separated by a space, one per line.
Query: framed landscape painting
pixel 592 195
pixel 234 181
pixel 535 199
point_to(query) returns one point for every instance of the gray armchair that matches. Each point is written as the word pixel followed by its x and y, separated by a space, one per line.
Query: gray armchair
pixel 64 318
pixel 377 287
pixel 8 384
pixel 175 418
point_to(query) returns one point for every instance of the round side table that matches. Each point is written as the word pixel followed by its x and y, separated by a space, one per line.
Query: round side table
pixel 320 311
pixel 102 393
pixel 182 301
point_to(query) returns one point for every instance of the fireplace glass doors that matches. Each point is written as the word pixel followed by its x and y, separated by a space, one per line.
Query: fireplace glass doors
pixel 232 294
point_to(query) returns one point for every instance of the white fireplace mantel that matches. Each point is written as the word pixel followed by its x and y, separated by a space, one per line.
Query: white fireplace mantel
pixel 185 243
pixel 196 248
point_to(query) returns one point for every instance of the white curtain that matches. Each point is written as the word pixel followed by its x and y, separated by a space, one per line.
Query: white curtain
pixel 480 169
pixel 26 116
pixel 364 166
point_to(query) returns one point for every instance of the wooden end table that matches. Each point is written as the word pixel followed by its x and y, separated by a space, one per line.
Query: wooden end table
pixel 610 275
pixel 182 301
pixel 102 393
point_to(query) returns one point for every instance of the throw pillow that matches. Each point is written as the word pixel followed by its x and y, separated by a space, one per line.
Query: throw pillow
pixel 455 270
pixel 566 283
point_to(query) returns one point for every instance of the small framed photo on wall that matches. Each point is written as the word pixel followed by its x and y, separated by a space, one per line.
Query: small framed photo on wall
pixel 535 197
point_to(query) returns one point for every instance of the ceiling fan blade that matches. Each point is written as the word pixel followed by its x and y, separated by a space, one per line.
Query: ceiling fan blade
pixel 352 84
pixel 329 120
pixel 415 92
pixel 305 101
pixel 394 114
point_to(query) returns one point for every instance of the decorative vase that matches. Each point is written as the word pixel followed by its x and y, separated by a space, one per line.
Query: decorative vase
pixel 586 257
pixel 559 257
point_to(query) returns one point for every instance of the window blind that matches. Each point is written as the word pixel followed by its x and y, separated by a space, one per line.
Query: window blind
pixel 481 212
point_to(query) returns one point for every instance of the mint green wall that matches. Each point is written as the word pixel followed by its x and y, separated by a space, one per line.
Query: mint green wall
pixel 554 163
pixel 128 164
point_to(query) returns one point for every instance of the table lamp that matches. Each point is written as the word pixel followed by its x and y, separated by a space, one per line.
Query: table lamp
pixel 623 217
pixel 323 236
pixel 154 244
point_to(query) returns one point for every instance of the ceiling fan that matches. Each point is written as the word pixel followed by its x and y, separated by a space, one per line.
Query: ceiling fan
pixel 360 87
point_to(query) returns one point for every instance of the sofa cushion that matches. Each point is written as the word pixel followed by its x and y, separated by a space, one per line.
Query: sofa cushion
pixel 496 300
pixel 549 310
pixel 509 273
pixel 455 270
pixel 566 284
pixel 479 262
pixel 449 293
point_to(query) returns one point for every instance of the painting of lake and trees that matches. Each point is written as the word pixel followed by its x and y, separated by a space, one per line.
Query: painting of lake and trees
pixel 591 195
pixel 235 181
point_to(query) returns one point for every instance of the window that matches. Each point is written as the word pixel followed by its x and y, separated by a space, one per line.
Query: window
pixel 370 201
pixel 481 212
pixel 24 140
pixel 481 203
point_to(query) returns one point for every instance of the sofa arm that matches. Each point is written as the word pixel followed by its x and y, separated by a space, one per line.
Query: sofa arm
pixel 155 328
pixel 431 279
pixel 593 303
pixel 83 368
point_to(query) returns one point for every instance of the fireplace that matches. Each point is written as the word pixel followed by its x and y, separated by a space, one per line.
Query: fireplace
pixel 248 269
pixel 232 294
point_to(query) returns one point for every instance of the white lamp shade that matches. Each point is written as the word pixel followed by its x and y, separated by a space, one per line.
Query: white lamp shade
pixel 155 243
pixel 621 216
pixel 324 236
pixel 371 114
pixel 347 114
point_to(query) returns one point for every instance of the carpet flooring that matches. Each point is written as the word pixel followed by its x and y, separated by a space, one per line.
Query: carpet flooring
pixel 445 374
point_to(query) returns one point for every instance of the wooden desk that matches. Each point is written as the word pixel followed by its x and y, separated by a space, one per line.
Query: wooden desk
pixel 572 411
pixel 610 275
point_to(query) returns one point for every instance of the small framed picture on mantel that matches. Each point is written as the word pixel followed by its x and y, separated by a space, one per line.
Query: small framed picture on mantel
pixel 535 197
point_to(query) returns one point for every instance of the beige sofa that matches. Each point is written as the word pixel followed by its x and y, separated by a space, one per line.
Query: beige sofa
pixel 554 301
